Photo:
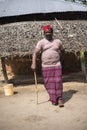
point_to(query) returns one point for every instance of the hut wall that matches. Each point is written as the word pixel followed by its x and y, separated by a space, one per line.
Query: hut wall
pixel 22 65
pixel 70 63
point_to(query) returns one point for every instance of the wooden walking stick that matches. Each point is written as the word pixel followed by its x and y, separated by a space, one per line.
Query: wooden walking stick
pixel 35 78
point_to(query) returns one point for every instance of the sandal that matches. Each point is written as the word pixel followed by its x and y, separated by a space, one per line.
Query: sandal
pixel 60 103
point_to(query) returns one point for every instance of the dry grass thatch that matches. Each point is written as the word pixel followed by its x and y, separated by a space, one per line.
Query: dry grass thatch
pixel 20 38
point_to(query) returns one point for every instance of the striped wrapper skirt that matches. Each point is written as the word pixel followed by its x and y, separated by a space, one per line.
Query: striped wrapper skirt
pixel 52 77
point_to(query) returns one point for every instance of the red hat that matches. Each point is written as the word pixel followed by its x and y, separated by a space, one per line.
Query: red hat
pixel 46 27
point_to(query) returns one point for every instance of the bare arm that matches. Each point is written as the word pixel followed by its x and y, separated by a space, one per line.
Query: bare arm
pixel 34 58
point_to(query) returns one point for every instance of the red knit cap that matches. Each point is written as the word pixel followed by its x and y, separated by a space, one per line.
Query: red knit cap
pixel 46 27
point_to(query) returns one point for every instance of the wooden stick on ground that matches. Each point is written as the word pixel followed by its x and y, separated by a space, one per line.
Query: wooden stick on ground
pixel 35 77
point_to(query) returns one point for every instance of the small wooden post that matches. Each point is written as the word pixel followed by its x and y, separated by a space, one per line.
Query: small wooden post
pixel 86 64
pixel 4 69
pixel 82 60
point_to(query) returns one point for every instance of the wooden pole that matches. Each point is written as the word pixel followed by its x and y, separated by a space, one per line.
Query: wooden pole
pixel 4 69
pixel 86 64
pixel 82 60
pixel 58 23
pixel 35 77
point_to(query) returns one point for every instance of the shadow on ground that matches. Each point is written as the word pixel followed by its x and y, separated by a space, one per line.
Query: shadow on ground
pixel 67 95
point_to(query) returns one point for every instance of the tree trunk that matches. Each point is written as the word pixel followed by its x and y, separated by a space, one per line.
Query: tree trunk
pixel 4 69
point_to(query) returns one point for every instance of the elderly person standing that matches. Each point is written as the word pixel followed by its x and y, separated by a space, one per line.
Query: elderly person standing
pixel 51 66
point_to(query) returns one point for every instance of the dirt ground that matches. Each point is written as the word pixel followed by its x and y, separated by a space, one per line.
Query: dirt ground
pixel 20 111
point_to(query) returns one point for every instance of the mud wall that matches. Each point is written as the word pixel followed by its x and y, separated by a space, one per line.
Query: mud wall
pixel 22 66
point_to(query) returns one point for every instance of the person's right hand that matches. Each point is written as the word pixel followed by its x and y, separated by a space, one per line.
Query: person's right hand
pixel 33 67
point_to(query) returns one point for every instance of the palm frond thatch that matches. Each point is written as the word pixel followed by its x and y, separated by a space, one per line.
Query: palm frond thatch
pixel 20 38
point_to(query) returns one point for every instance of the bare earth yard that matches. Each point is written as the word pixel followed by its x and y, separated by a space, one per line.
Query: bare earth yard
pixel 20 111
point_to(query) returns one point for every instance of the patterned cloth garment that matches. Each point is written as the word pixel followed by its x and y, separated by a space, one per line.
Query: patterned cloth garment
pixel 53 82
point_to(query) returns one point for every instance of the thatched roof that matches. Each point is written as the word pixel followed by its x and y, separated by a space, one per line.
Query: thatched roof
pixel 20 7
pixel 20 38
